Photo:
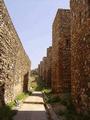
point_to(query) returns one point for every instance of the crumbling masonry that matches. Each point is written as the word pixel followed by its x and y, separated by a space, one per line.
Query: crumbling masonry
pixel 14 63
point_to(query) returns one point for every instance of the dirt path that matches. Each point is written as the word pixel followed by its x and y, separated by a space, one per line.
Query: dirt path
pixel 32 108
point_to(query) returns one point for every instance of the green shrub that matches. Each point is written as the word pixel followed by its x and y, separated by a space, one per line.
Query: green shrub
pixel 70 113
pixel 53 100
pixel 47 91
pixel 21 96
pixel 11 104
pixel 37 84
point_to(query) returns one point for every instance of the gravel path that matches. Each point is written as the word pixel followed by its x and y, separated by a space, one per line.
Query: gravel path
pixel 32 108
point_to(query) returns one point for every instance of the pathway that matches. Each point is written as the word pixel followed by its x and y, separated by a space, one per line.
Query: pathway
pixel 32 108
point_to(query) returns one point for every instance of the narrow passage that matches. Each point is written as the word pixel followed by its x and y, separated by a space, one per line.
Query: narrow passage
pixel 32 108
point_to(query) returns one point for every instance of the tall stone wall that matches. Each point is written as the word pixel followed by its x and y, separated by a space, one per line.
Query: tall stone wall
pixel 14 63
pixel 49 63
pixel 45 69
pixel 80 53
pixel 61 52
pixel 40 69
pixel 71 53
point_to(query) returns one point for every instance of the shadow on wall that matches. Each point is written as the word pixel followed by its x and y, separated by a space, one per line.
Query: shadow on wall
pixel 2 92
pixel 25 82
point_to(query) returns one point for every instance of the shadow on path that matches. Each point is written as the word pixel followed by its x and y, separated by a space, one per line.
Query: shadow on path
pixel 32 108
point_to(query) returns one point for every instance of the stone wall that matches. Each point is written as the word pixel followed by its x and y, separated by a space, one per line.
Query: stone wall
pixel 71 53
pixel 48 71
pixel 38 69
pixel 44 74
pixel 41 69
pixel 14 63
pixel 61 52
pixel 80 53
pixel 44 68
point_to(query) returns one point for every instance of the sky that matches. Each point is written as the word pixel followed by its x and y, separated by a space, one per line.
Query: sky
pixel 33 22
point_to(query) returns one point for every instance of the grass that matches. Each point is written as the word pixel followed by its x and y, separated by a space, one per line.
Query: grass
pixel 47 91
pixel 52 100
pixel 70 112
pixel 22 96
pixel 34 85
pixel 11 104
pixel 6 112
pixel 73 115
pixel 37 84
